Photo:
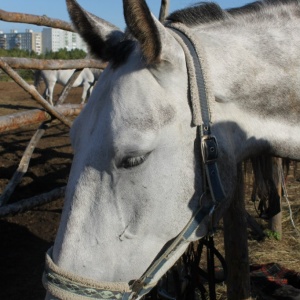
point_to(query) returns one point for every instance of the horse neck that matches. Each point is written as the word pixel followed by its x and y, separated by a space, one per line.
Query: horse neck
pixel 256 85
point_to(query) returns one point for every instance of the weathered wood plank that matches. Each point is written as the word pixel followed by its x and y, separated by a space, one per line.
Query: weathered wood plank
pixel 29 117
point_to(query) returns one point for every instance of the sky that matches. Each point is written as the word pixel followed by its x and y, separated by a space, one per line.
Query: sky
pixel 110 10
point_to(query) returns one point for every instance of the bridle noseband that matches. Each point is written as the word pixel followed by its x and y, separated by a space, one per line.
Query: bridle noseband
pixel 68 286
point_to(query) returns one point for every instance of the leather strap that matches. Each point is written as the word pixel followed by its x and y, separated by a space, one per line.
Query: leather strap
pixel 209 145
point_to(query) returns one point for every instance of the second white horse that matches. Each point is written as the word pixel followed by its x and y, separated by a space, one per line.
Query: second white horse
pixel 86 79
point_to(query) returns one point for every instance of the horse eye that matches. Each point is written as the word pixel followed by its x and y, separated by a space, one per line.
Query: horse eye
pixel 130 162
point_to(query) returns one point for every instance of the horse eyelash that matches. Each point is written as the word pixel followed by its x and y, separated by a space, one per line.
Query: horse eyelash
pixel 131 162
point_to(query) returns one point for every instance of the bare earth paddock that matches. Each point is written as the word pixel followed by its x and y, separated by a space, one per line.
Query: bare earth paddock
pixel 25 237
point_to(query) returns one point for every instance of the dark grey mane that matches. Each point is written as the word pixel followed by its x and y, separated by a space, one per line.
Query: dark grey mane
pixel 198 14
pixel 120 52
pixel 207 12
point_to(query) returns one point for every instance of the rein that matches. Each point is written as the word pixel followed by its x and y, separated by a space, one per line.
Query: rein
pixel 66 286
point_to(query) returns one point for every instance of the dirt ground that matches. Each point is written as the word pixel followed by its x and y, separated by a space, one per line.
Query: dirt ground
pixel 25 237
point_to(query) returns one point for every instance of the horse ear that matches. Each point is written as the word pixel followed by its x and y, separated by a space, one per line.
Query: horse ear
pixel 149 32
pixel 99 34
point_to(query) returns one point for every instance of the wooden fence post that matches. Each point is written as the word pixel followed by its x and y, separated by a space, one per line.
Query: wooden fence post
pixel 236 245
pixel 275 223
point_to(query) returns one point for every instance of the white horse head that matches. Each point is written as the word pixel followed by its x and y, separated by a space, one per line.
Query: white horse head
pixel 136 177
pixel 140 146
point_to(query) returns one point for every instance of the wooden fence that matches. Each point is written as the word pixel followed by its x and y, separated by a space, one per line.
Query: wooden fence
pixel 42 116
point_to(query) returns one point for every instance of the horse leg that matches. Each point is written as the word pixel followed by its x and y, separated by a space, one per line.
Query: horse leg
pixel 50 89
pixel 90 90
pixel 85 92
pixel 46 93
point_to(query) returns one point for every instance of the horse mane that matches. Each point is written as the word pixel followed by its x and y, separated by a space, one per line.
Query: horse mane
pixel 204 13
pixel 121 51
pixel 208 12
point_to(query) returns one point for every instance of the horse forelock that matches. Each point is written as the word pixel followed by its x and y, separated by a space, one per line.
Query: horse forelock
pixel 121 51
pixel 203 13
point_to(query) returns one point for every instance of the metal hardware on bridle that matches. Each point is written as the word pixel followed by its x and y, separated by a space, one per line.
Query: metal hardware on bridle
pixel 57 280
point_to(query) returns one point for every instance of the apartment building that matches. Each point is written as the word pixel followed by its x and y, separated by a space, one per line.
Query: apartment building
pixel 50 39
pixel 27 40
pixel 37 42
pixel 54 39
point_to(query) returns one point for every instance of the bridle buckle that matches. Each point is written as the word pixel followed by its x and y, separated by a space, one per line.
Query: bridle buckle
pixel 209 149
